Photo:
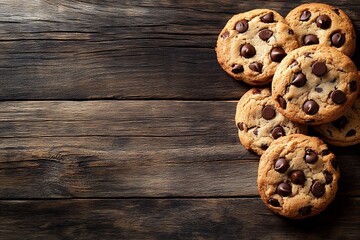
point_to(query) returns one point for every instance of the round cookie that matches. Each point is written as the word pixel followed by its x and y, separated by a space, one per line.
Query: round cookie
pixel 344 131
pixel 258 122
pixel 318 23
pixel 252 44
pixel 315 84
pixel 297 176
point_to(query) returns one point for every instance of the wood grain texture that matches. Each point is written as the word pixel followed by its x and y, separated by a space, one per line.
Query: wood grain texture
pixel 131 149
pixel 171 219
pixel 121 49
pixel 163 162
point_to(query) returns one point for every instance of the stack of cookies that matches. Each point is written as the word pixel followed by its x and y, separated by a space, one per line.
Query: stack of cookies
pixel 306 59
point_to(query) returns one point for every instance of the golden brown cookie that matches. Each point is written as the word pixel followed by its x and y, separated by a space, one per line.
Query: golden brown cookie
pixel 344 131
pixel 252 44
pixel 318 23
pixel 297 176
pixel 315 84
pixel 259 123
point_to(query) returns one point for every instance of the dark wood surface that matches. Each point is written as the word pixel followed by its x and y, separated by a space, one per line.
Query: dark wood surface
pixel 116 122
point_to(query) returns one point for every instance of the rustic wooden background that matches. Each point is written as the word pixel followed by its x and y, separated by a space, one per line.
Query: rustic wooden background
pixel 116 122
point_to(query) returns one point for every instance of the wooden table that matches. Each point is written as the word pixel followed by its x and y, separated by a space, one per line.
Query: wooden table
pixel 117 123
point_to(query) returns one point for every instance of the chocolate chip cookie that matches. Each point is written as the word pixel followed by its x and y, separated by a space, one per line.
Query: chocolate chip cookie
pixel 297 176
pixel 259 123
pixel 252 44
pixel 317 23
pixel 344 131
pixel 315 84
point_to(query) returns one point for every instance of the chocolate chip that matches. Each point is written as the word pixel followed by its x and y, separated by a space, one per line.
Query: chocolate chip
pixel 256 67
pixel 297 177
pixel 328 177
pixel 305 15
pixel 247 51
pixel 277 54
pixel 282 102
pixel 268 18
pixel 277 132
pixel 281 165
pixel 340 123
pixel 310 39
pixel 334 163
pixel 318 89
pixel 338 96
pixel 241 126
pixel 337 39
pixel 351 133
pixel 274 202
pixel 353 86
pixel 336 11
pixel 284 189
pixel 318 189
pixel 255 131
pixel 310 107
pixel 290 32
pixel 265 34
pixel 319 68
pixel 268 112
pixel 225 35
pixel 299 80
pixel 323 21
pixel 305 210
pixel 264 146
pixel 241 26
pixel 293 64
pixel 325 152
pixel 236 68
pixel 310 156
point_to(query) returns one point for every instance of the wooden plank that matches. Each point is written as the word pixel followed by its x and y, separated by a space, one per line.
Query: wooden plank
pixel 131 149
pixel 171 219
pixel 121 50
